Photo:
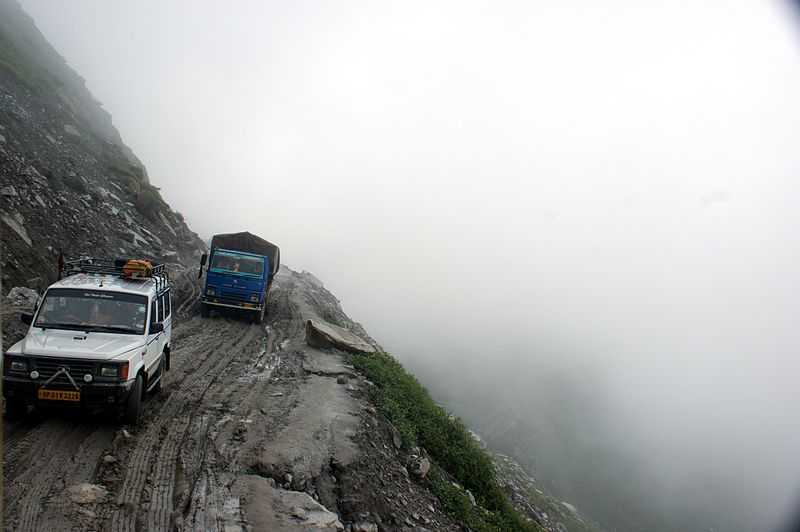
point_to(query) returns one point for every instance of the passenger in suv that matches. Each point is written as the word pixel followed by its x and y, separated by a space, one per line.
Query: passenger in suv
pixel 98 339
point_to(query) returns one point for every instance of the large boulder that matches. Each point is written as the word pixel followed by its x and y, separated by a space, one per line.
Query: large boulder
pixel 324 335
pixel 22 296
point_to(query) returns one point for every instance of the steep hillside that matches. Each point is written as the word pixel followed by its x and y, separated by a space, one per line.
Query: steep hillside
pixel 67 181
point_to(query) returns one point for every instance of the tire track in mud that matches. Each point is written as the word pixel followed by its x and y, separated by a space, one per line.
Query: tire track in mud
pixel 160 514
pixel 33 453
pixel 190 393
pixel 208 505
pixel 44 476
pixel 139 465
pixel 162 501
pixel 79 464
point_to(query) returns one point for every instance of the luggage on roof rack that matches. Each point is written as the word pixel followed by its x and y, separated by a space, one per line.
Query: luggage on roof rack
pixel 125 268
pixel 137 268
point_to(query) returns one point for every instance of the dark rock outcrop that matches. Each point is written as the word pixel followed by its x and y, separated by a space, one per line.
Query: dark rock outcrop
pixel 67 181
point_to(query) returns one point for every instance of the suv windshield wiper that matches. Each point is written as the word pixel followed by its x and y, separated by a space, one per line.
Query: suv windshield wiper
pixel 89 328
pixel 66 326
pixel 111 328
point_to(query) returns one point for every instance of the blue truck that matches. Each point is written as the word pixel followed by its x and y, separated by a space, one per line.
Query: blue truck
pixel 239 275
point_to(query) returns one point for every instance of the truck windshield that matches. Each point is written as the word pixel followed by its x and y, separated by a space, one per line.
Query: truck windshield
pixel 93 310
pixel 225 262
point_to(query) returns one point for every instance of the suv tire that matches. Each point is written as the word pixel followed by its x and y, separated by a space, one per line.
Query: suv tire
pixel 15 409
pixel 133 409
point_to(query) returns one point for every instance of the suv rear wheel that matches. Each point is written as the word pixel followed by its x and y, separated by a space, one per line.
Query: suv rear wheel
pixel 133 409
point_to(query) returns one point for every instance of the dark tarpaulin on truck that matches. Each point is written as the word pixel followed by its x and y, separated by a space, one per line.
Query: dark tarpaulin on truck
pixel 249 243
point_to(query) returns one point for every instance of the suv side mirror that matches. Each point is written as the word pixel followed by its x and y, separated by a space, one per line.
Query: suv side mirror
pixel 156 328
pixel 26 318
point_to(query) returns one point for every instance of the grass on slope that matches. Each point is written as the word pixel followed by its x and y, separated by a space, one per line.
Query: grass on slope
pixel 406 403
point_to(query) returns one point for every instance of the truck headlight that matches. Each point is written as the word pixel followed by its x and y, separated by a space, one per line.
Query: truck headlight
pixel 109 371
pixel 254 298
pixel 210 290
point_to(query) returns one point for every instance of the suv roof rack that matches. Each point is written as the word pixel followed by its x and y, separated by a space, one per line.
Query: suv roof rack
pixel 114 267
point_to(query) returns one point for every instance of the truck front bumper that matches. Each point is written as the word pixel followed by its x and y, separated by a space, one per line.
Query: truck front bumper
pixel 94 395
pixel 230 303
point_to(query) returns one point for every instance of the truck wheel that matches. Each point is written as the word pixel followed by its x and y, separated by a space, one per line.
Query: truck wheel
pixel 204 310
pixel 259 316
pixel 15 409
pixel 133 410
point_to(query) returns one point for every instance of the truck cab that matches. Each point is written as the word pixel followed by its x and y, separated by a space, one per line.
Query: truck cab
pixel 239 274
pixel 98 339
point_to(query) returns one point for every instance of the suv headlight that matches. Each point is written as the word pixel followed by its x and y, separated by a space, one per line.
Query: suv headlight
pixel 114 371
pixel 109 371
pixel 18 365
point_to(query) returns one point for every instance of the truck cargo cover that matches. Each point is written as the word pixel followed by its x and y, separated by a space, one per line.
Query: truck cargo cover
pixel 249 243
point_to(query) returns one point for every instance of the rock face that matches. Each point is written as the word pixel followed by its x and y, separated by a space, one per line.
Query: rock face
pixel 552 514
pixel 67 181
pixel 324 335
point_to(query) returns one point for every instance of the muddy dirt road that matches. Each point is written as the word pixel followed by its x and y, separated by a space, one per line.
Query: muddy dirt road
pixel 254 430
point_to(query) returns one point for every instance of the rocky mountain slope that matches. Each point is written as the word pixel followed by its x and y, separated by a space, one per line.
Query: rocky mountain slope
pixel 67 181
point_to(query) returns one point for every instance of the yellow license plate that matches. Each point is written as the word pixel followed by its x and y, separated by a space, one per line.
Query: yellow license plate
pixel 58 395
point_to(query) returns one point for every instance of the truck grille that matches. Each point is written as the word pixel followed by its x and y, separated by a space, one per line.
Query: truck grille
pixel 47 367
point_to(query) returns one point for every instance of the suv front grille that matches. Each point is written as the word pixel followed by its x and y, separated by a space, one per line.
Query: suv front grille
pixel 47 367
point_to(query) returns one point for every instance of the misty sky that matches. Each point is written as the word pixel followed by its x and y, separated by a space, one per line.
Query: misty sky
pixel 617 181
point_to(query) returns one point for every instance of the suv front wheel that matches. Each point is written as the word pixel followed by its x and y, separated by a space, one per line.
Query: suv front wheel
pixel 133 410
pixel 15 409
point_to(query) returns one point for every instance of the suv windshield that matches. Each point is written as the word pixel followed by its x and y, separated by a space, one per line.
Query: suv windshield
pixel 93 310
pixel 226 262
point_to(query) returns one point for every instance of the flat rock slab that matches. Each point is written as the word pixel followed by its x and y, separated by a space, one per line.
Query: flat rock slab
pixel 272 509
pixel 321 363
pixel 319 430
pixel 321 334
pixel 87 493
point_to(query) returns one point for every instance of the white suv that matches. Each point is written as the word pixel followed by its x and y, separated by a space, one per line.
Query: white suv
pixel 97 339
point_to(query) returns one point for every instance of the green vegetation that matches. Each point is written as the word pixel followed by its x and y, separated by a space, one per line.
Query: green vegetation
pixel 409 407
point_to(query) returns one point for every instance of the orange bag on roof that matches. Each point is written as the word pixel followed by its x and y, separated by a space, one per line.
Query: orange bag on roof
pixel 137 268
